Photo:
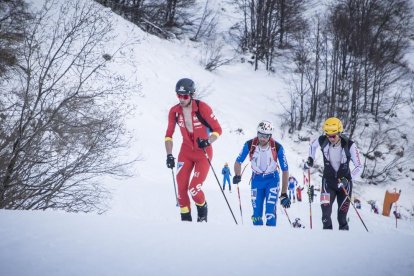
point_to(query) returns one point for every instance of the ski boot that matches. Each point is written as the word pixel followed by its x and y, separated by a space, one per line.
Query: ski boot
pixel 202 213
pixel 186 217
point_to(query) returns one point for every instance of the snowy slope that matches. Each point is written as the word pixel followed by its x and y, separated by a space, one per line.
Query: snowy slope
pixel 141 234
pixel 46 243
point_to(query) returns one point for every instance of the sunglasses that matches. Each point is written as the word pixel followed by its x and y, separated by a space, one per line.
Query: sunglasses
pixel 183 97
pixel 262 135
pixel 331 136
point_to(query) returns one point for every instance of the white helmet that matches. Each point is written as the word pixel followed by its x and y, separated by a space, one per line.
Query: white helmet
pixel 265 127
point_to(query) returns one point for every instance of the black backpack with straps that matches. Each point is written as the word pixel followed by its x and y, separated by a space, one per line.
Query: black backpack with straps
pixel 345 144
pixel 198 114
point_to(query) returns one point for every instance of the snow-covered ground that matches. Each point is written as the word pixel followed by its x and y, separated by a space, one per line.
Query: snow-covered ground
pixel 141 233
pixel 54 243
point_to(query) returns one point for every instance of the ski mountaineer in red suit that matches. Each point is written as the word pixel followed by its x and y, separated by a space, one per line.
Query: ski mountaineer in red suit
pixel 199 129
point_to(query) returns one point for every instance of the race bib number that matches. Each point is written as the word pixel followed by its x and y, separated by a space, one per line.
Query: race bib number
pixel 325 198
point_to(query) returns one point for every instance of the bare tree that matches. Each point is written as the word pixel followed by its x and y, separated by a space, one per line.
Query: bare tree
pixel 13 20
pixel 290 20
pixel 61 118
pixel 302 61
pixel 359 49
pixel 170 12
pixel 267 25
pixel 212 55
pixel 368 55
pixel 411 93
pixel 313 70
pixel 207 24
pixel 383 157
pixel 289 118
pixel 159 17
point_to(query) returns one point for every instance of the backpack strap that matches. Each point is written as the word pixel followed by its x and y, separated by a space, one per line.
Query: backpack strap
pixel 323 141
pixel 275 148
pixel 199 117
pixel 345 144
pixel 252 144
pixel 198 114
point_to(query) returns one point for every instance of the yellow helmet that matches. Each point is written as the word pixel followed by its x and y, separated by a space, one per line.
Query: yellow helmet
pixel 332 126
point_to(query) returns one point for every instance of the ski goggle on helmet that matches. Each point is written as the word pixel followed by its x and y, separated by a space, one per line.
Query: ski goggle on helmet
pixel 265 129
pixel 332 126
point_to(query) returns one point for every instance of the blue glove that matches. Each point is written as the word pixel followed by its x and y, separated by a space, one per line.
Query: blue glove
pixel 343 183
pixel 236 179
pixel 284 200
pixel 170 161
pixel 203 143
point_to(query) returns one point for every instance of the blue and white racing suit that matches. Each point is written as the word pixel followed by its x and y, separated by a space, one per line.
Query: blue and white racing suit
pixel 265 181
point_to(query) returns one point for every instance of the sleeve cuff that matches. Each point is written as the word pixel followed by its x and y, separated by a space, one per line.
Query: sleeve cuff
pixel 168 139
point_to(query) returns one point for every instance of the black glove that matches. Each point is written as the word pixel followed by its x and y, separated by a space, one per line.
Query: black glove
pixel 236 179
pixel 343 183
pixel 284 200
pixel 203 143
pixel 309 163
pixel 170 161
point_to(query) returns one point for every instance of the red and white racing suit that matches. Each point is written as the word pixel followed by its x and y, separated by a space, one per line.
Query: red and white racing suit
pixel 191 156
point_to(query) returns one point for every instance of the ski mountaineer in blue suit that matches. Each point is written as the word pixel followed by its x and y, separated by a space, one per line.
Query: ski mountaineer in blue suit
pixel 265 154
pixel 226 176
pixel 291 187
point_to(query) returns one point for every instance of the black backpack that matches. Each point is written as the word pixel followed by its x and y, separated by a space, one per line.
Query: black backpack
pixel 198 114
pixel 345 144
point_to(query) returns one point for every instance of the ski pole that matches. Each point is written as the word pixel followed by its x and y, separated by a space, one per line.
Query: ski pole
pixel 347 195
pixel 241 212
pixel 245 166
pixel 287 216
pixel 238 192
pixel 175 189
pixel 310 200
pixel 218 182
pixel 396 219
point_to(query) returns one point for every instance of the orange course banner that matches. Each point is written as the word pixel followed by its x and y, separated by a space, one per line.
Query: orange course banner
pixel 389 199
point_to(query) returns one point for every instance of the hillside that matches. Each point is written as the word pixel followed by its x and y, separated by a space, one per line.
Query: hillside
pixel 141 233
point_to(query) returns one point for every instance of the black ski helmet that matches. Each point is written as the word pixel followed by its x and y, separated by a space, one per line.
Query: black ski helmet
pixel 185 87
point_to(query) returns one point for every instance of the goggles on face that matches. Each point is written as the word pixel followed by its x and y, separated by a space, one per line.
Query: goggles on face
pixel 183 96
pixel 262 135
pixel 333 136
